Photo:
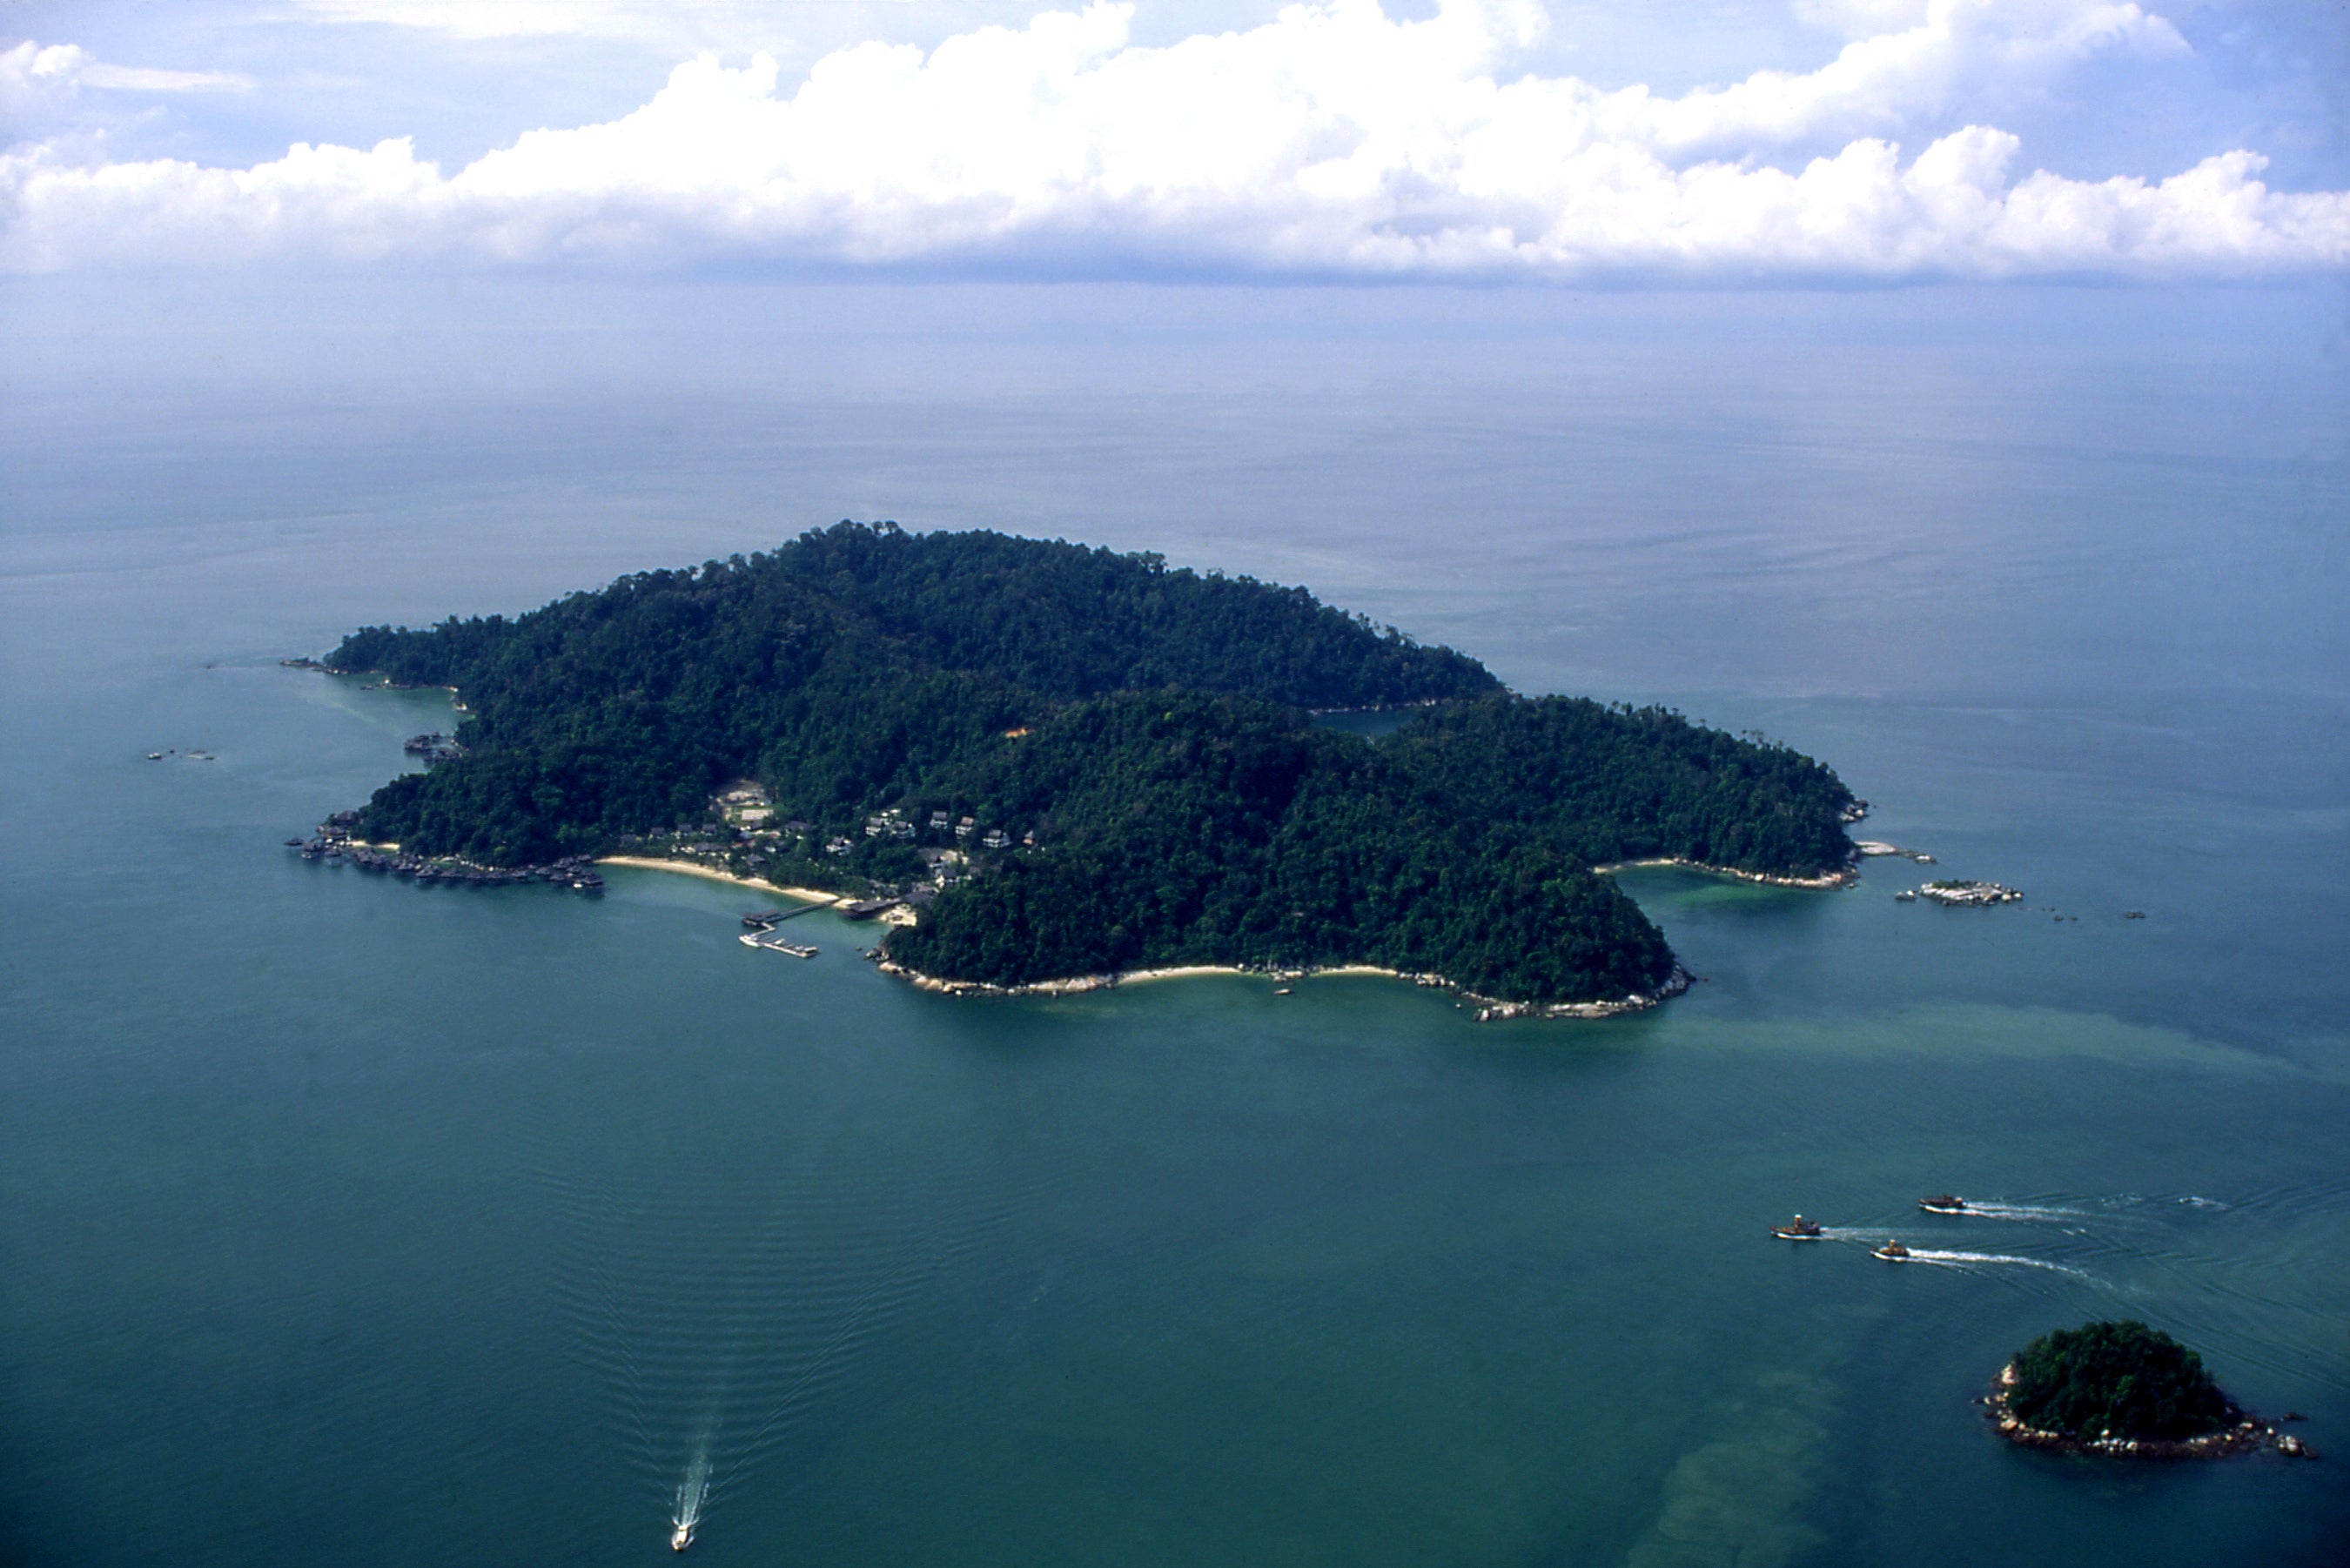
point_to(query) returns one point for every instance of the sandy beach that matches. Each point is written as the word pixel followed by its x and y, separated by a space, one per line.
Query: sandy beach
pixel 1183 971
pixel 687 868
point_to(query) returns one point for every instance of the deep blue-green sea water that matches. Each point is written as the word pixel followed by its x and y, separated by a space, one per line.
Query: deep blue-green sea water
pixel 345 1220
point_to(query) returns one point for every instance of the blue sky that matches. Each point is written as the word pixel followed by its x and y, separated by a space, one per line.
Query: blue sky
pixel 1822 143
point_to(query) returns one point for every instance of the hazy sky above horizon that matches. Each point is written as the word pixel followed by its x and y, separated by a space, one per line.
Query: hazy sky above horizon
pixel 1817 142
pixel 1620 307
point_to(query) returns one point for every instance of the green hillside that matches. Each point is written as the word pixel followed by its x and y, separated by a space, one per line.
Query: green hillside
pixel 1138 733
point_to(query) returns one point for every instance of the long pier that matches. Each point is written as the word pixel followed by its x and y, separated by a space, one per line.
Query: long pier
pixel 764 919
pixel 763 923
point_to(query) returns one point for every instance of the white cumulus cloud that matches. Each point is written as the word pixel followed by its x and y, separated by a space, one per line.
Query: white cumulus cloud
pixel 1332 140
pixel 36 79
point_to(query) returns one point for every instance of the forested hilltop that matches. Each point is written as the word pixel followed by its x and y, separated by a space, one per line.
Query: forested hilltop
pixel 1099 763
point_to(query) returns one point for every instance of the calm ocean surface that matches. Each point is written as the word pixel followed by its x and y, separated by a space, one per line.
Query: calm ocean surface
pixel 343 1220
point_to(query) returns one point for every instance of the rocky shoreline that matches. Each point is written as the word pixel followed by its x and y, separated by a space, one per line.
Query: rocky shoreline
pixel 385 683
pixel 1486 1009
pixel 930 983
pixel 2246 1434
pixel 1490 1011
pixel 1958 895
pixel 1826 881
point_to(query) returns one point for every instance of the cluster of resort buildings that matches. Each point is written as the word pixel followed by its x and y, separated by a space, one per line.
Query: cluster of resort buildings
pixel 334 842
pixel 434 747
pixel 893 823
pixel 746 837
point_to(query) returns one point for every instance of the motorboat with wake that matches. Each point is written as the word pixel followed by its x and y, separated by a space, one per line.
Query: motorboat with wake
pixel 691 1494
pixel 1798 1230
pixel 1943 1203
pixel 1892 1252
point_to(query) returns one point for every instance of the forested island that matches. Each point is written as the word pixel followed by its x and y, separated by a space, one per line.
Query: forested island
pixel 2122 1387
pixel 1078 762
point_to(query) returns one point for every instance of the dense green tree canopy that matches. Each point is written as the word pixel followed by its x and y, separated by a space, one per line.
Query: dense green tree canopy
pixel 1142 724
pixel 2116 1379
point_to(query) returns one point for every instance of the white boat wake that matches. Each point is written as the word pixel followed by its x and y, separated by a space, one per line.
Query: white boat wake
pixel 1929 1255
pixel 1874 1236
pixel 2026 1211
pixel 691 1494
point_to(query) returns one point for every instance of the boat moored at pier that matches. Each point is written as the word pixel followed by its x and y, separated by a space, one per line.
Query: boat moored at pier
pixel 775 944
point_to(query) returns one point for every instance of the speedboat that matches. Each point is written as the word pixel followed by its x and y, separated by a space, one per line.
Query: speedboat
pixel 1892 1252
pixel 1797 1230
pixel 1943 1203
pixel 680 1536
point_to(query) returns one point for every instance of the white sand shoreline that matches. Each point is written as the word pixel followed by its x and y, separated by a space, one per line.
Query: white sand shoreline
pixel 1181 971
pixel 708 874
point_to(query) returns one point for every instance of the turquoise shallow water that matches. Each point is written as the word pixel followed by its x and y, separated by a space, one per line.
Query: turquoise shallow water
pixel 352 1221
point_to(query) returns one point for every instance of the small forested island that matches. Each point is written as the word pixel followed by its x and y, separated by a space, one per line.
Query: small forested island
pixel 1074 763
pixel 2124 1389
